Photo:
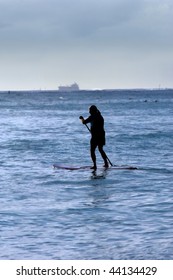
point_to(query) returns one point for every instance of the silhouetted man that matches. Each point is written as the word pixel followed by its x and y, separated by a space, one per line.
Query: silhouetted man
pixel 97 134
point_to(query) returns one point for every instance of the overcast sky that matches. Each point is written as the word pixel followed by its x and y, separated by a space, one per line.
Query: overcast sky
pixel 96 43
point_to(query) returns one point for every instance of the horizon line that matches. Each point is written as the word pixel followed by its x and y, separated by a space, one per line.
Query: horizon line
pixel 75 91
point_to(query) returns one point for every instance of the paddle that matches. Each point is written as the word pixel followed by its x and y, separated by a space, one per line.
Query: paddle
pixel 82 118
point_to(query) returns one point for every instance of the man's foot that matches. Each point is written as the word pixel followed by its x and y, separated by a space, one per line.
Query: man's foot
pixel 93 167
pixel 106 165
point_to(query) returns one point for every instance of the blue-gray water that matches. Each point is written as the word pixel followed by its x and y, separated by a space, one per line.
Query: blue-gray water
pixel 61 214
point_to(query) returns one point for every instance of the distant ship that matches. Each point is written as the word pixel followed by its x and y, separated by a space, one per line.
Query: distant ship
pixel 71 88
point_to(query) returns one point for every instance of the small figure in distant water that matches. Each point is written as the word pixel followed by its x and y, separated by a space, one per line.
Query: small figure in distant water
pixel 97 134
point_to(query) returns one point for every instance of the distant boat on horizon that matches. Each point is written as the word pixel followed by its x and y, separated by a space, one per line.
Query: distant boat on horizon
pixel 70 88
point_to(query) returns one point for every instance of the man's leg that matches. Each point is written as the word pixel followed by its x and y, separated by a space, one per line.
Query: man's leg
pixel 100 147
pixel 93 156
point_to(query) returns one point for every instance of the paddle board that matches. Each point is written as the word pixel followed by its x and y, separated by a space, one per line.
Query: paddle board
pixel 58 166
pixel 115 167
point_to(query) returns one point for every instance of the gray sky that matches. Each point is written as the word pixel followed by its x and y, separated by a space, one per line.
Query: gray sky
pixel 96 43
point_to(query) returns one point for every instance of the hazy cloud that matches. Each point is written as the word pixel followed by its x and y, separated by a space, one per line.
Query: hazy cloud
pixel 117 32
pixel 77 19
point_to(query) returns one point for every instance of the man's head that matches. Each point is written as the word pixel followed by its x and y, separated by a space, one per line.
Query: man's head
pixel 93 110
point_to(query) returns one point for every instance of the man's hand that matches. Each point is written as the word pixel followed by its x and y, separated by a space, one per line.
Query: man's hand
pixel 82 119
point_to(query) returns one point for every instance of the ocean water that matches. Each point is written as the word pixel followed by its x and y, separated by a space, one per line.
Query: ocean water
pixel 48 213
